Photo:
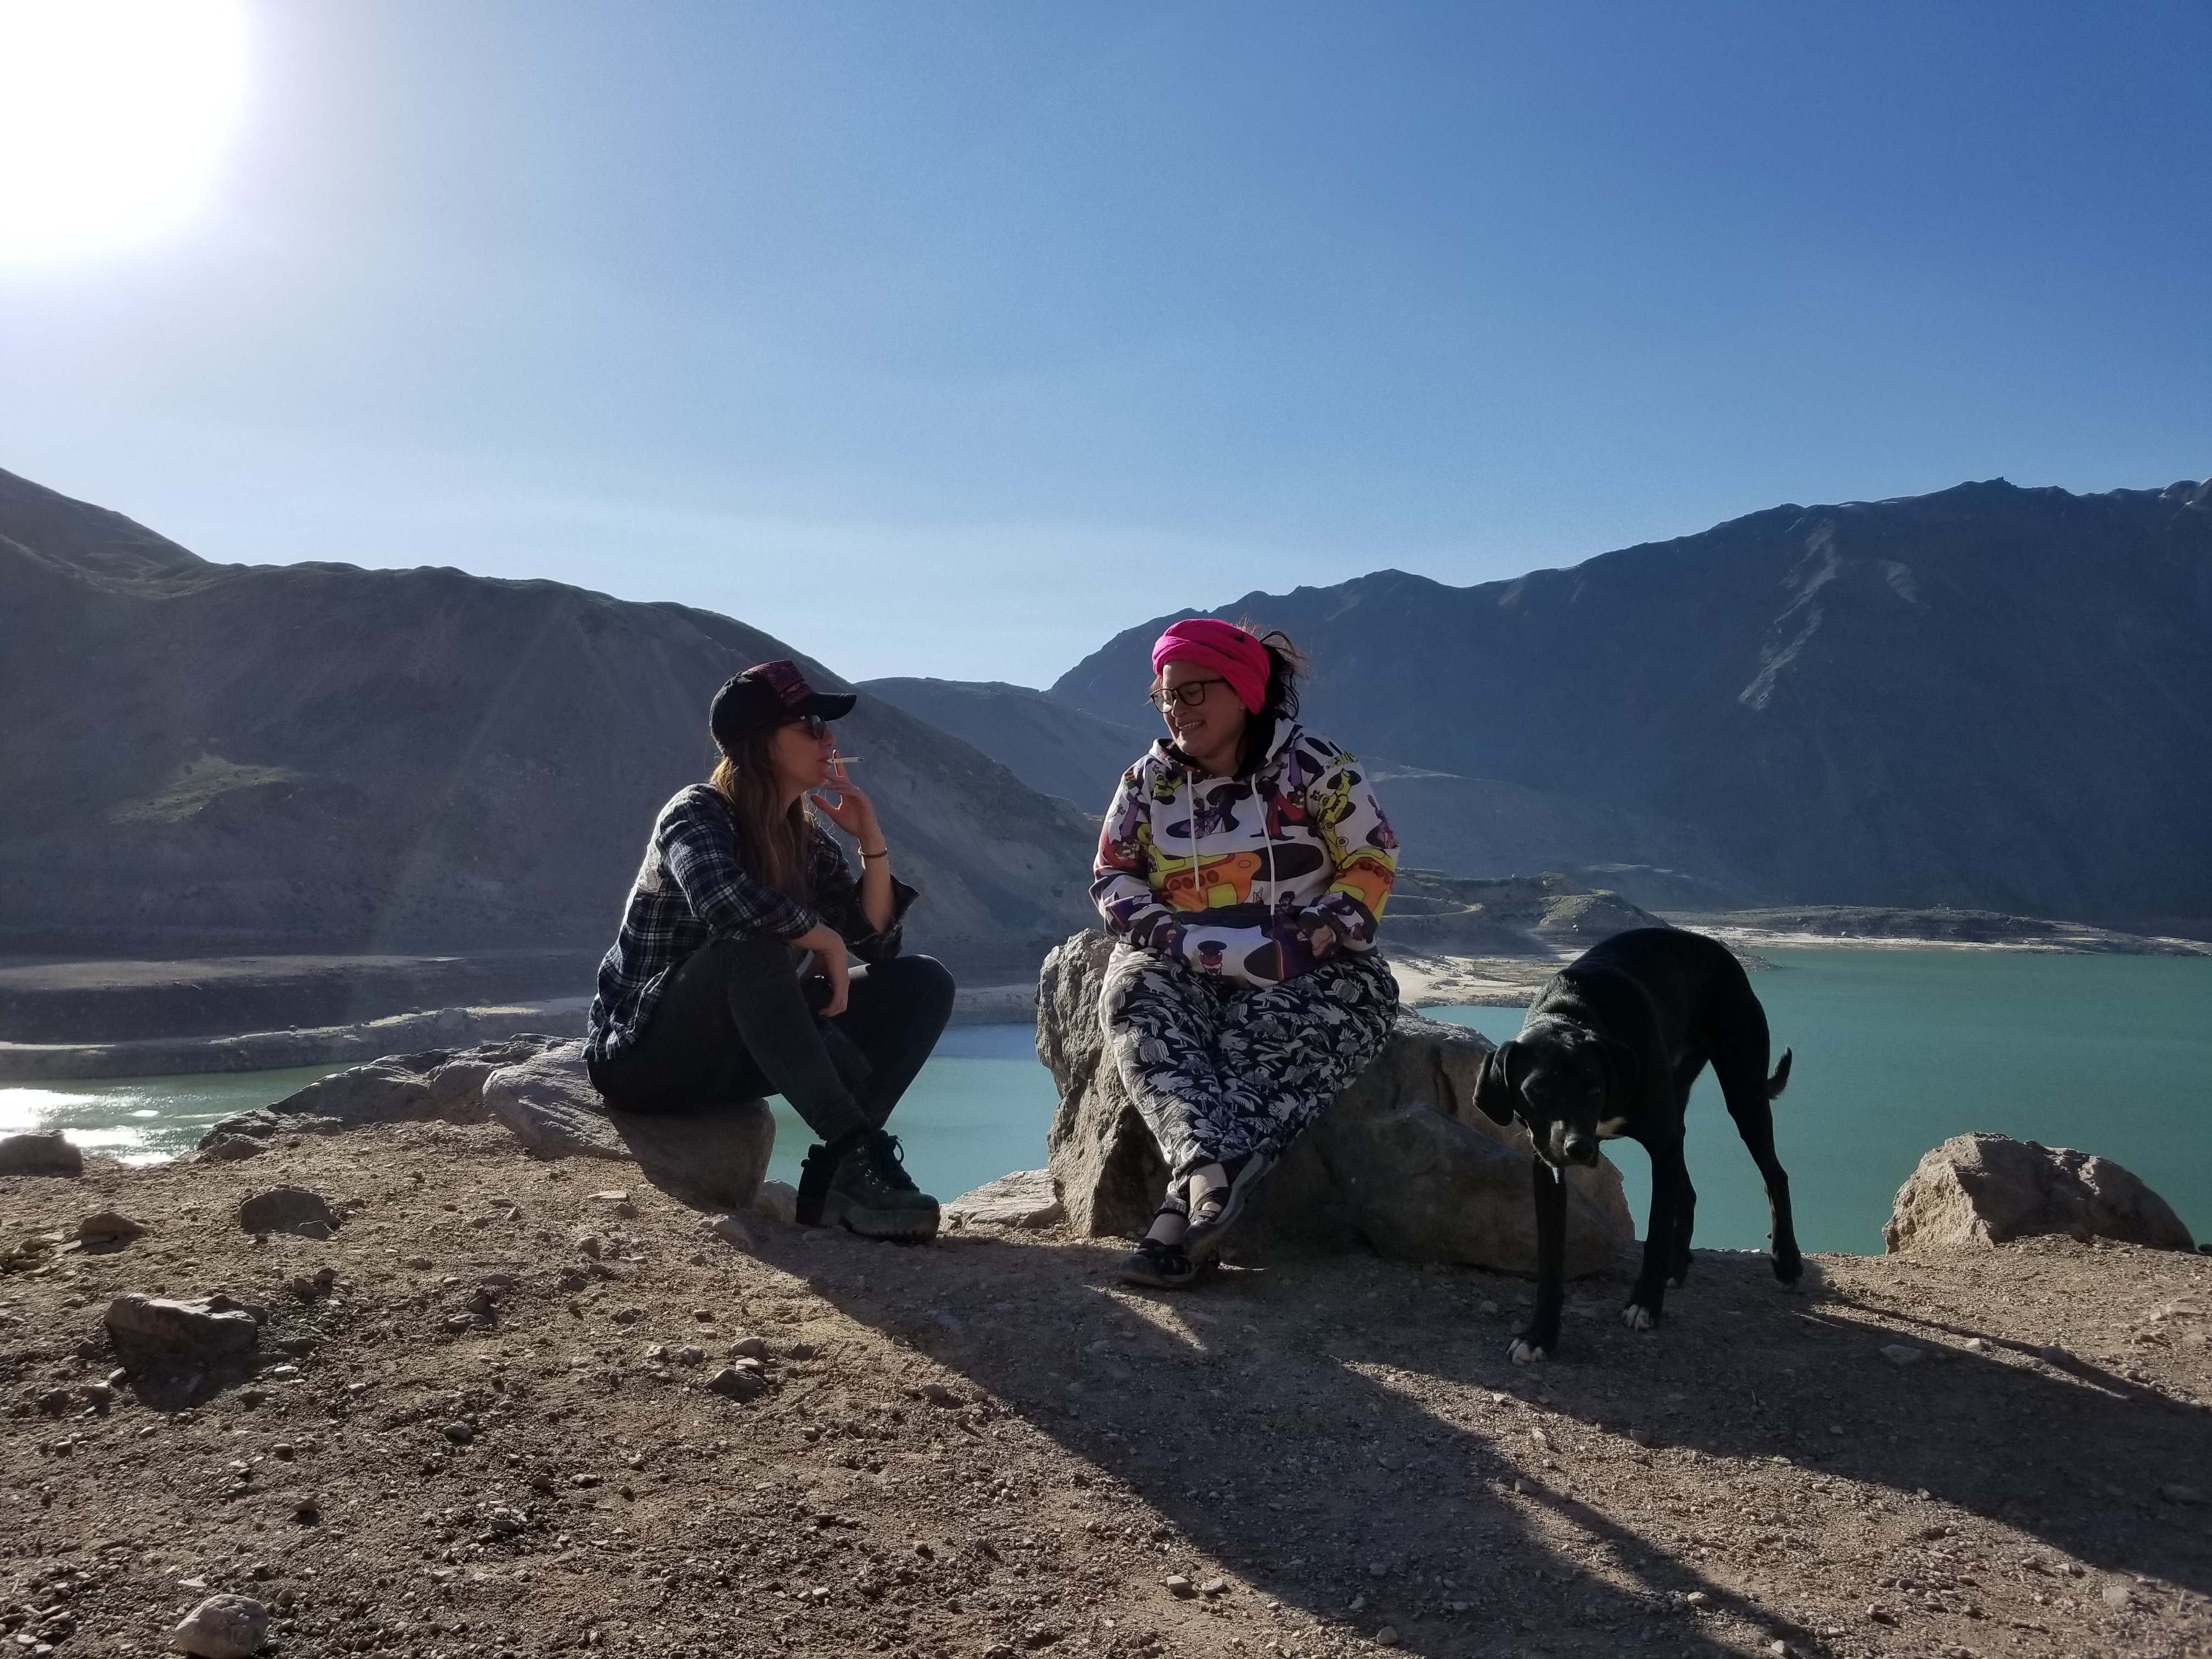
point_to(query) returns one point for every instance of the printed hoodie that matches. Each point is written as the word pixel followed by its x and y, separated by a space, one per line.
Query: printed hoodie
pixel 1234 875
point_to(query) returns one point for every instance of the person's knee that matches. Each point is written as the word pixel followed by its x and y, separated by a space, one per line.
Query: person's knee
pixel 928 982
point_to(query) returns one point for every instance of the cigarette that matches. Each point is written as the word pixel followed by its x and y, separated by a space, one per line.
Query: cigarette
pixel 845 759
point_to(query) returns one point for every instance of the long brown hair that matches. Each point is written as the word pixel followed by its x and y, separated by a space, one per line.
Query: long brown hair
pixel 774 842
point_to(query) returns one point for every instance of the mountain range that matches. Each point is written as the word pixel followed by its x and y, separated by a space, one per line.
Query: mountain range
pixel 315 757
pixel 1989 697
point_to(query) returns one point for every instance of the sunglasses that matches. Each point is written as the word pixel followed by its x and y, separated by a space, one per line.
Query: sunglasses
pixel 813 725
pixel 1189 694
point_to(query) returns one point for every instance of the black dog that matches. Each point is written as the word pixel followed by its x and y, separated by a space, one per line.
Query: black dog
pixel 1610 1047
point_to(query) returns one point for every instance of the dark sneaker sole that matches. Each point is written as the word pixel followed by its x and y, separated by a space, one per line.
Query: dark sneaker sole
pixel 1138 1268
pixel 903 1224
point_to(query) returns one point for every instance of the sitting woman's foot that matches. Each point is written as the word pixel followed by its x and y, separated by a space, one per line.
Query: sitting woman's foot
pixel 871 1194
pixel 1220 1193
pixel 1159 1262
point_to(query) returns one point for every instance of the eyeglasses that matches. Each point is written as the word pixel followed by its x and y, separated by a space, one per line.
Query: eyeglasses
pixel 813 725
pixel 1189 694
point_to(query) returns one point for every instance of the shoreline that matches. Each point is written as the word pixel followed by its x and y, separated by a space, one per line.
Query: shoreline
pixel 367 1040
pixel 2051 945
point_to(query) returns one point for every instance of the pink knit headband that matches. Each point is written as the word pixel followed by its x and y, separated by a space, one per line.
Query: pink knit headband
pixel 1228 650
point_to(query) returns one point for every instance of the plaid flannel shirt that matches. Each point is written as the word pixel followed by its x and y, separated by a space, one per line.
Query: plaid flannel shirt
pixel 693 886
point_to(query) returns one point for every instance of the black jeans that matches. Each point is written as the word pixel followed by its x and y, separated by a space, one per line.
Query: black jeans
pixel 732 1023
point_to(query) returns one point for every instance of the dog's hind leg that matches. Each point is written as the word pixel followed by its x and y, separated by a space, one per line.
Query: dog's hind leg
pixel 1742 1070
pixel 1542 1340
pixel 1670 1179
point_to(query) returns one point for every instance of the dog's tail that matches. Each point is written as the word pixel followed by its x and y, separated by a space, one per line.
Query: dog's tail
pixel 1780 1081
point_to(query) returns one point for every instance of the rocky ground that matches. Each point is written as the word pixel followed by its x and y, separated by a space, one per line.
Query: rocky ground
pixel 480 1425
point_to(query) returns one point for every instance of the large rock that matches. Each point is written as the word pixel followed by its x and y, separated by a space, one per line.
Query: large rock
pixel 288 1209
pixel 716 1159
pixel 445 1084
pixel 1401 1161
pixel 177 1352
pixel 1984 1189
pixel 223 1627
pixel 40 1155
pixel 1025 1199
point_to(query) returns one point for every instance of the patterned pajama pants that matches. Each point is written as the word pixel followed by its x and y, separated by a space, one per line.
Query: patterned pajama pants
pixel 1218 1068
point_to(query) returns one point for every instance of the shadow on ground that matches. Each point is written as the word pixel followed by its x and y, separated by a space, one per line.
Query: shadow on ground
pixel 1346 1436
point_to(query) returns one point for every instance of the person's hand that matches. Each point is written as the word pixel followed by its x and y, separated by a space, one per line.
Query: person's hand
pixel 1159 932
pixel 829 948
pixel 1319 930
pixel 847 806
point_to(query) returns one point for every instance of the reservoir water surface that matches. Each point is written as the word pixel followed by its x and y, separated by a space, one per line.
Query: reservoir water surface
pixel 1896 1051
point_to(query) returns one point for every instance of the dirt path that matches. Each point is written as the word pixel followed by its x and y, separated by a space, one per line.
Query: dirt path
pixel 988 1447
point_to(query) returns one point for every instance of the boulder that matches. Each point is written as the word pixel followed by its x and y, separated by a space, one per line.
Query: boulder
pixel 382 1092
pixel 288 1209
pixel 175 1351
pixel 1026 1197
pixel 444 1083
pixel 1985 1189
pixel 40 1155
pixel 266 1123
pixel 222 1627
pixel 107 1227
pixel 713 1159
pixel 1401 1162
pixel 547 1104
pixel 778 1200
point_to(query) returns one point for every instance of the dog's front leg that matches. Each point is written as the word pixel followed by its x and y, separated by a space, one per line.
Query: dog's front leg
pixel 1670 1180
pixel 1542 1340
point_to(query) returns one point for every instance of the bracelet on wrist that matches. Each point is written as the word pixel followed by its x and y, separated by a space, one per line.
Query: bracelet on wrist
pixel 880 853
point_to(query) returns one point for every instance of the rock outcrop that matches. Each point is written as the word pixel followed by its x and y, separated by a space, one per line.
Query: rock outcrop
pixel 1025 1199
pixel 714 1159
pixel 1984 1189
pixel 436 1083
pixel 535 1087
pixel 1399 1162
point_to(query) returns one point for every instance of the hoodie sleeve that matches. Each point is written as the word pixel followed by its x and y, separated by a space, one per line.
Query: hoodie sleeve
pixel 1120 875
pixel 1361 845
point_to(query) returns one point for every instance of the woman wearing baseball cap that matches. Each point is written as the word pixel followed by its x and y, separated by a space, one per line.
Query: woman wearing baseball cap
pixel 1243 869
pixel 732 976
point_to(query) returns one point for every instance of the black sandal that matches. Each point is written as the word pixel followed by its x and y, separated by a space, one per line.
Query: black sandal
pixel 1219 1208
pixel 1158 1265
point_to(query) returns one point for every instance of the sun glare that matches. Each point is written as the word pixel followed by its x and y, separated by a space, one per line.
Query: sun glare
pixel 114 117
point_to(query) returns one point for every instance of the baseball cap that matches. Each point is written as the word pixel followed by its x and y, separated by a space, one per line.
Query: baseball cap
pixel 769 694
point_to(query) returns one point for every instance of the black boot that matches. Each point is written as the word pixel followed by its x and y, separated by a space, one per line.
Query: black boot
pixel 814 1184
pixel 871 1192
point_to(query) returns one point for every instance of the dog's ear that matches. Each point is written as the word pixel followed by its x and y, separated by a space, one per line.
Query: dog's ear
pixel 1495 1089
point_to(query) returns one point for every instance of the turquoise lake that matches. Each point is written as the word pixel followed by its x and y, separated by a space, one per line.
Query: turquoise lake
pixel 1896 1051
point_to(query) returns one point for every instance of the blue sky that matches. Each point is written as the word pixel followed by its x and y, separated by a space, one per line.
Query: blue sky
pixel 951 338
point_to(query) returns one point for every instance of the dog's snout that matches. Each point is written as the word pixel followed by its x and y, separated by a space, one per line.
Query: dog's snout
pixel 1580 1149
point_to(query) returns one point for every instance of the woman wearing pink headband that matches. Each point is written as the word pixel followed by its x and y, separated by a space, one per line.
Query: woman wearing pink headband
pixel 1242 867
